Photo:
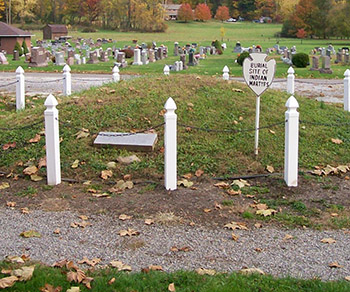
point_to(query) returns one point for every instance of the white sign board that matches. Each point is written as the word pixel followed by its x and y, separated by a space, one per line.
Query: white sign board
pixel 258 73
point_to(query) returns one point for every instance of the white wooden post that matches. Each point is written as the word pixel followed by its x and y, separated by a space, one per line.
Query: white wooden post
pixel 290 80
pixel 115 71
pixel 67 81
pixel 347 90
pixel 291 143
pixel 226 76
pixel 20 98
pixel 166 70
pixel 170 145
pixel 52 141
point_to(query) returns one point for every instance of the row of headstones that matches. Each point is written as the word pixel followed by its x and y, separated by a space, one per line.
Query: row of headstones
pixel 326 64
pixel 203 51
pixel 145 55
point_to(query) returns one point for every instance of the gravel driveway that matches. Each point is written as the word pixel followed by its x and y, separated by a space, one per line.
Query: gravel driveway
pixel 303 255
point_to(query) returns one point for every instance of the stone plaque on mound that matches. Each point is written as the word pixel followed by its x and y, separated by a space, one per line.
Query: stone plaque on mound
pixel 128 141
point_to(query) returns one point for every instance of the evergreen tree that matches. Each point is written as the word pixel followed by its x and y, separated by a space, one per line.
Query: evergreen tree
pixel 25 48
pixel 18 48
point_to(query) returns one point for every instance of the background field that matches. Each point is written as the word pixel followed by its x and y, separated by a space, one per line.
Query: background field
pixel 203 34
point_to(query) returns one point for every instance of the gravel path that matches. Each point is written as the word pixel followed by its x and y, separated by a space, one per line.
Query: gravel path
pixel 303 256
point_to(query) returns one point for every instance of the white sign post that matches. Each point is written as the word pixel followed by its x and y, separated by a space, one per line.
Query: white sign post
pixel 258 73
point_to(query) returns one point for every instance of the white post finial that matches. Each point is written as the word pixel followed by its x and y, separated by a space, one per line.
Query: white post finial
pixel 291 143
pixel 67 81
pixel 347 90
pixel 170 146
pixel 166 70
pixel 290 80
pixel 52 138
pixel 226 76
pixel 115 73
pixel 20 89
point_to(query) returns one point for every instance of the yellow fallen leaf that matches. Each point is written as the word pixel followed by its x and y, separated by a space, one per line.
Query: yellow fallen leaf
pixel 171 286
pixel 234 236
pixel 336 141
pixel 250 271
pixel 185 183
pixel 129 232
pixel 241 183
pixel 206 210
pixel 266 213
pixel 202 271
pixel 30 170
pixel 4 185
pixel 93 262
pixel 8 282
pixel 124 217
pixel 111 281
pixel 149 221
pixel 35 177
pixel 77 276
pixel 73 289
pixel 15 259
pixel 328 240
pixel 222 185
pixel 287 237
pixel 101 195
pixel 75 164
pixel 83 133
pixel 334 265
pixel 155 268
pixel 236 225
pixel 270 168
pixel 120 266
pixel 36 139
pixel 347 278
pixel 30 233
pixel 232 192
pixel 24 273
pixel 106 174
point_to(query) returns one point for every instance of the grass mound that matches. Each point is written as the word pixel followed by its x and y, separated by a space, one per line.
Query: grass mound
pixel 205 102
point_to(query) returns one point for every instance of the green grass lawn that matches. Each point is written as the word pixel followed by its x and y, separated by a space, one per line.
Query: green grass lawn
pixel 205 102
pixel 182 280
pixel 203 34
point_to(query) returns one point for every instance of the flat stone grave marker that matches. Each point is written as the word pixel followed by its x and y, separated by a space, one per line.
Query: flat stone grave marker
pixel 129 141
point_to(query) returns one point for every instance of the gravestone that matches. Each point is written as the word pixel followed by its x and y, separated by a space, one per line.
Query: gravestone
pixel 144 58
pixel 71 54
pixel 181 66
pixel 183 60
pixel 160 53
pixel 83 60
pixel 93 58
pixel 70 61
pixel 151 56
pixel 315 63
pixel 326 65
pixel 121 60
pixel 339 58
pixel 191 61
pixel 130 142
pixel 201 53
pixel 3 60
pixel 38 57
pixel 176 49
pixel 109 52
pixel 15 55
pixel 137 57
pixel 77 59
pixel 346 58
pixel 59 59
pixel 104 57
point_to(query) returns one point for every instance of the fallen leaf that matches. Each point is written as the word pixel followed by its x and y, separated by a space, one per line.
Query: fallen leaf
pixel 8 146
pixel 4 185
pixel 36 139
pixel 336 141
pixel 201 271
pixel 129 232
pixel 258 249
pixel 24 273
pixel 77 276
pixel 222 185
pixel 111 165
pixel 30 170
pixel 30 233
pixel 122 185
pixel 250 271
pixel 50 288
pixel 11 204
pixel 236 225
pixel 111 281
pixel 258 225
pixel 266 213
pixel 6 272
pixel 334 214
pixel 8 282
pixel 261 207
pixel 83 217
pixel 241 183
pixel 15 259
pixel 81 224
pixel 124 217
pixel 272 132
pixel 270 169
pixel 73 289
pixel 25 210
pixel 101 195
pixel 347 278
pixel 106 174
pixel 199 173
pixel 57 231
pixel 232 192
pixel 217 206
pixel 234 236
pixel 187 176
pixel 35 177
pixel 328 240
pixel 83 133
pixel 155 268
pixel 75 164
pixel 149 221
pixel 288 237
pixel 185 183
pixel 120 266
pixel 91 263
pixel 171 287
pixel 206 210
pixel 334 265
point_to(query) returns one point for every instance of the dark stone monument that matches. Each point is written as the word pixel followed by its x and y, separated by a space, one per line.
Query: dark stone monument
pixel 38 57
pixel 15 55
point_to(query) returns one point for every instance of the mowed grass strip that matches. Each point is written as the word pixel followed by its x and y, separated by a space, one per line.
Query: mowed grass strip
pixel 205 102
pixel 182 280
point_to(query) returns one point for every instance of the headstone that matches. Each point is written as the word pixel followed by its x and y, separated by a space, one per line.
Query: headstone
pixel 104 57
pixel 3 60
pixel 346 58
pixel 59 59
pixel 121 60
pixel 15 55
pixel 201 53
pixel 93 58
pixel 181 66
pixel 77 59
pixel 183 60
pixel 134 142
pixel 38 57
pixel 339 58
pixel 71 54
pixel 70 61
pixel 176 49
pixel 328 53
pixel 326 65
pixel 83 60
pixel 315 63
pixel 160 53
pixel 151 56
pixel 137 57
pixel 144 58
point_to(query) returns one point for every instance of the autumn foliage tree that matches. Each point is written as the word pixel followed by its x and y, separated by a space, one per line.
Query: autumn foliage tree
pixel 185 13
pixel 301 34
pixel 222 13
pixel 202 12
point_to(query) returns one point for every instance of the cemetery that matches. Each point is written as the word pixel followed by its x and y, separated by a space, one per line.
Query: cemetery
pixel 175 157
